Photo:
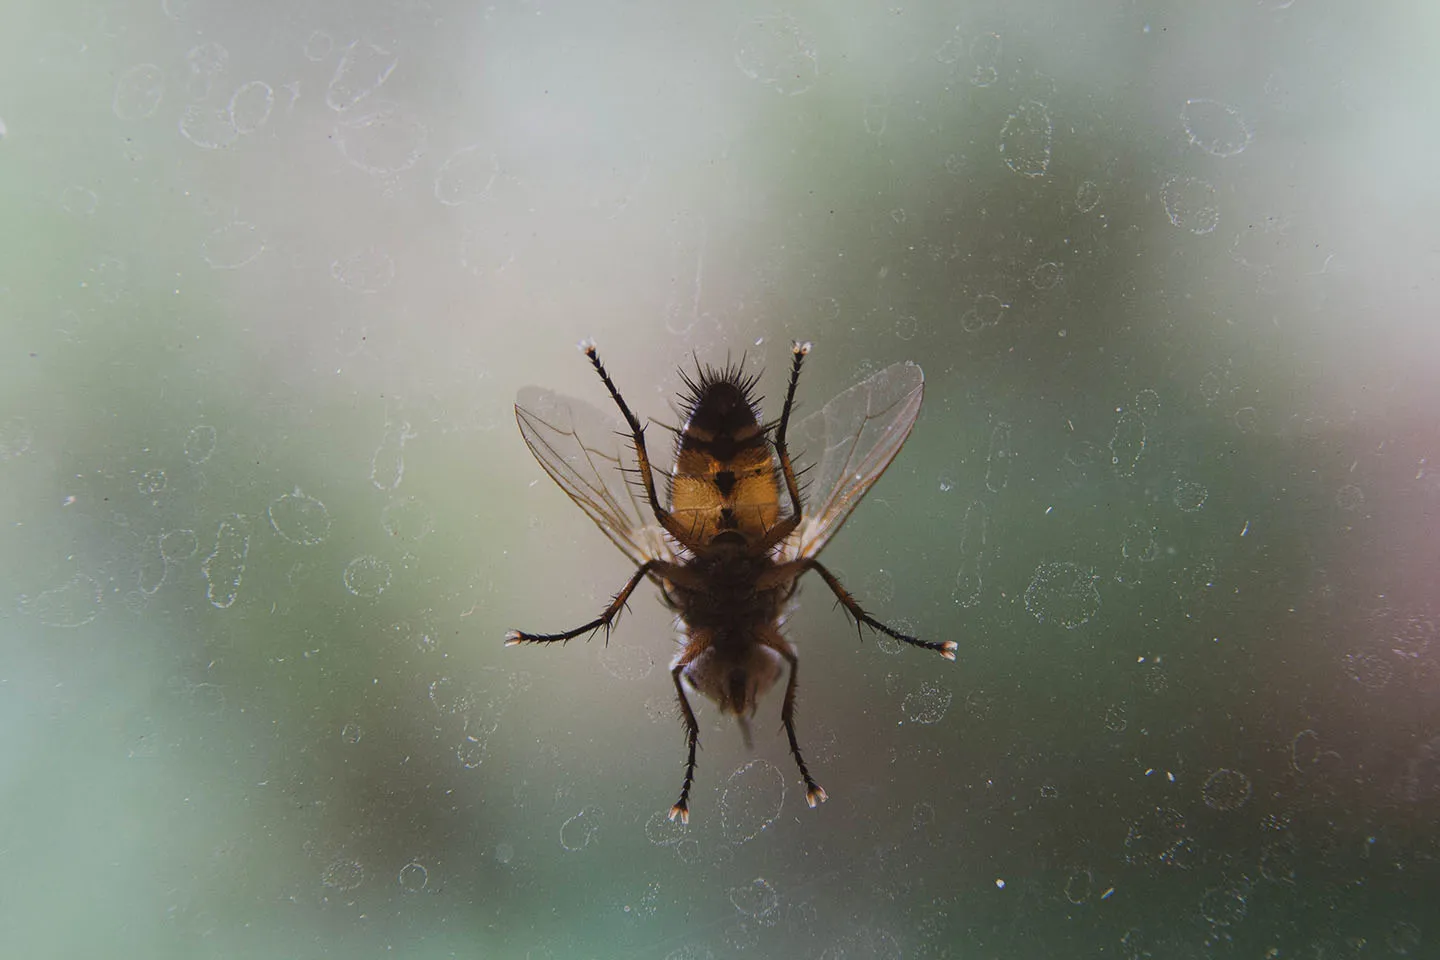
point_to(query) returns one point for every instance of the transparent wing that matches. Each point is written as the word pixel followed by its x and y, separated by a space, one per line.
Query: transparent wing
pixel 850 441
pixel 581 450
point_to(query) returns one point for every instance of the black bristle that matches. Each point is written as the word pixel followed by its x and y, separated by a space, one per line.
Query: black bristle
pixel 732 373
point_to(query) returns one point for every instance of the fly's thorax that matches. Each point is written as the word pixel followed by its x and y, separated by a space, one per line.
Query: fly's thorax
pixel 721 592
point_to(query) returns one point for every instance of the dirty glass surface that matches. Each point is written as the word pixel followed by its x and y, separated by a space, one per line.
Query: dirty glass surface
pixel 274 273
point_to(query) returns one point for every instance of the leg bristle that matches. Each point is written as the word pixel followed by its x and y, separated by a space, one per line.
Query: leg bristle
pixel 816 795
pixel 948 649
pixel 683 812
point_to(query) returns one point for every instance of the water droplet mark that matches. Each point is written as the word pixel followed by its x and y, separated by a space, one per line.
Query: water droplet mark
pixel 200 444
pixel 1224 906
pixel 466 176
pixel 413 877
pixel 250 106
pixel 387 466
pixel 138 92
pixel 224 568
pixel 367 576
pixel 1191 204
pixel 232 246
pixel 580 831
pixel 986 311
pixel 751 800
pixel 73 603
pixel 177 545
pixel 299 518
pixel 382 139
pixel 343 874
pixel 363 68
pixel 627 661
pixel 1350 497
pixel 974 531
pixel 1025 139
pixel 1216 128
pixel 998 458
pixel 1127 443
pixel 318 46
pixel 407 518
pixel 928 703
pixel 757 900
pixel 1190 496
pixel 662 831
pixel 1046 275
pixel 209 128
pixel 1226 789
pixel 1062 593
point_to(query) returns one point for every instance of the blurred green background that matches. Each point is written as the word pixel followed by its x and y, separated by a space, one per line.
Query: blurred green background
pixel 273 273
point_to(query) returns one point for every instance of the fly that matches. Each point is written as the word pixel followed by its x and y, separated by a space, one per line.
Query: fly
pixel 725 554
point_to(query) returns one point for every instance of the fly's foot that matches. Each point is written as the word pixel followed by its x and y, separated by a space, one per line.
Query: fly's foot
pixel 815 794
pixel 948 648
pixel 682 810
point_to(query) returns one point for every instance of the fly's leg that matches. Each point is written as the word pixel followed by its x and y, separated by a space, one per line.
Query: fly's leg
pixel 814 793
pixel 681 808
pixel 799 350
pixel 788 572
pixel 642 457
pixel 946 648
pixel 605 621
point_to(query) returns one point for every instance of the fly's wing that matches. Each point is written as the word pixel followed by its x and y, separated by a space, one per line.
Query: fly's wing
pixel 851 440
pixel 581 450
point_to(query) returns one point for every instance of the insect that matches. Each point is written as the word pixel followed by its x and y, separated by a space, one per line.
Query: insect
pixel 732 538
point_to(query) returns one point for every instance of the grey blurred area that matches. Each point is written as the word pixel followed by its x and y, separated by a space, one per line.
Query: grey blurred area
pixel 274 273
